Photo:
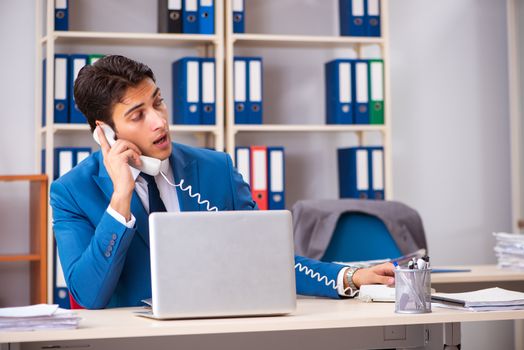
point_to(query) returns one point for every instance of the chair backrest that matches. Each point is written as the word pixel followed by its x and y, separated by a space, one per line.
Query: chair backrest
pixel 358 237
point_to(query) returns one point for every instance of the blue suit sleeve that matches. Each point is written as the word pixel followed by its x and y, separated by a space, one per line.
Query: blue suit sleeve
pixel 316 278
pixel 92 258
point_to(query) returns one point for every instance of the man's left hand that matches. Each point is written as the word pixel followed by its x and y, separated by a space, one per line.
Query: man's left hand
pixel 378 274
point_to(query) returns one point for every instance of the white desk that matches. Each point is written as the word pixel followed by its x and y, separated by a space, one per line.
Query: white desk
pixel 338 324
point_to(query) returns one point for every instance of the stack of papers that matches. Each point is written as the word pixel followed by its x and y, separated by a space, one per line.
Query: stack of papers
pixel 491 299
pixel 509 250
pixel 36 317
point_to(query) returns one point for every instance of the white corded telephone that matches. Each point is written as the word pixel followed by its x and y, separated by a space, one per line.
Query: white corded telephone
pixel 151 166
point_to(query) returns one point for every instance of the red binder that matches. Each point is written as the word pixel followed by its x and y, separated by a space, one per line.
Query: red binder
pixel 259 176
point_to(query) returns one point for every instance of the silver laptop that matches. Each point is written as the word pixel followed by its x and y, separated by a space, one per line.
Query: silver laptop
pixel 217 264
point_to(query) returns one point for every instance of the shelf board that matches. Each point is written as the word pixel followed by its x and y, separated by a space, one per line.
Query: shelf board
pixel 172 128
pixel 307 128
pixel 303 40
pixel 19 257
pixel 32 177
pixel 116 38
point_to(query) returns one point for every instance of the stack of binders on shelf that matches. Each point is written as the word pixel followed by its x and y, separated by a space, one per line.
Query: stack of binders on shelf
pixel 247 90
pixel 361 172
pixel 66 158
pixel 359 17
pixel 354 91
pixel 194 91
pixel 66 70
pixel 186 16
pixel 62 15
pixel 238 16
pixel 263 168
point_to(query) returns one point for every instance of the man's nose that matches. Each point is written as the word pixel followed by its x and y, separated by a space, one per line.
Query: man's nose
pixel 157 120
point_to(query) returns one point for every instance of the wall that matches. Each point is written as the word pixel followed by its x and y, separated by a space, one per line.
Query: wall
pixel 449 104
pixel 451 132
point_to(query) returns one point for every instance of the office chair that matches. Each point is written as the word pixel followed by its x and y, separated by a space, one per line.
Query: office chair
pixel 356 229
pixel 360 237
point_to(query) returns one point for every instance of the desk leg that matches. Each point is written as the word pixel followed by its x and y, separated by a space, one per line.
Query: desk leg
pixel 452 336
pixel 518 331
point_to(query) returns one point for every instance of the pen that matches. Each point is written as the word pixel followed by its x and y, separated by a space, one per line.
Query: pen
pixel 421 264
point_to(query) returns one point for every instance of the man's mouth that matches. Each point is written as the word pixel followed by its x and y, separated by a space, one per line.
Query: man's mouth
pixel 160 140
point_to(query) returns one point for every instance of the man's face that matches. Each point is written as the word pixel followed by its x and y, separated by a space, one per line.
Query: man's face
pixel 141 118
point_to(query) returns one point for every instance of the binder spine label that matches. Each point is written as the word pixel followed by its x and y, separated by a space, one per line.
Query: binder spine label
pixel 362 170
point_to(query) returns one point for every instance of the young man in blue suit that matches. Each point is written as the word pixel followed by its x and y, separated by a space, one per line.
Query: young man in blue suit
pixel 101 207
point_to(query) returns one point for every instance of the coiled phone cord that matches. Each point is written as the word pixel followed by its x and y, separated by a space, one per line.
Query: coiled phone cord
pixel 189 190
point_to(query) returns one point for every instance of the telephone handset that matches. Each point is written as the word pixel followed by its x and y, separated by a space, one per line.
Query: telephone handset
pixel 150 165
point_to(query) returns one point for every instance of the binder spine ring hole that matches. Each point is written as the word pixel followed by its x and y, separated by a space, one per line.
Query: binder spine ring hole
pixel 358 21
pixel 208 108
pixel 255 108
pixel 60 106
pixel 174 16
pixel 237 18
pixel 205 15
pixel 60 14
pixel 345 108
pixel 191 18
pixel 240 107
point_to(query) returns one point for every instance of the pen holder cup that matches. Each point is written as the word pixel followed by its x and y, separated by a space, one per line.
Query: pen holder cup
pixel 413 291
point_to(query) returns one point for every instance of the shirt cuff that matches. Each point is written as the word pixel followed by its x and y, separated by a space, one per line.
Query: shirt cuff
pixel 340 284
pixel 120 218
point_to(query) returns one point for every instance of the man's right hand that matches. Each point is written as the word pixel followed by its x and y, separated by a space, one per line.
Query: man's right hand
pixel 116 161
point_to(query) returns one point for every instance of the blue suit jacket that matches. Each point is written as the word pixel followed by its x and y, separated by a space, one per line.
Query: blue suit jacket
pixel 107 264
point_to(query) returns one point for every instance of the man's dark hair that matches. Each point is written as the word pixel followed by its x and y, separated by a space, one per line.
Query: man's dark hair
pixel 100 86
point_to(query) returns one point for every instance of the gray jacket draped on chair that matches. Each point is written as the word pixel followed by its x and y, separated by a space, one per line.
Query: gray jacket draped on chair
pixel 314 223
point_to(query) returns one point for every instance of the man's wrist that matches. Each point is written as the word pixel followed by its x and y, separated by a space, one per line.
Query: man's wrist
pixel 349 283
pixel 121 203
pixel 116 215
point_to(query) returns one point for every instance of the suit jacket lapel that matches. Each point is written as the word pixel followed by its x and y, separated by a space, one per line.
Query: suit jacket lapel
pixel 186 171
pixel 106 185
